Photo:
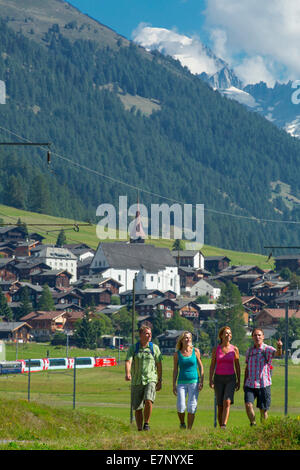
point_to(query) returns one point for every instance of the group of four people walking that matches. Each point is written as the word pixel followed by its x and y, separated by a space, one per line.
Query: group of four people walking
pixel 143 367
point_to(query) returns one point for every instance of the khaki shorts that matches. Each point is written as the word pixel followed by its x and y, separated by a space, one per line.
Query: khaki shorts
pixel 140 393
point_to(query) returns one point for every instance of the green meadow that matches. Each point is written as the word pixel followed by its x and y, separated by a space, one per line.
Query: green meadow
pixel 102 404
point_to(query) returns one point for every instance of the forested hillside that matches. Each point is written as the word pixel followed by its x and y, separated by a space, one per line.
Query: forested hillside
pixel 195 147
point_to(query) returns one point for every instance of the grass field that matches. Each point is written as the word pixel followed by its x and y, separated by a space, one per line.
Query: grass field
pixel 103 399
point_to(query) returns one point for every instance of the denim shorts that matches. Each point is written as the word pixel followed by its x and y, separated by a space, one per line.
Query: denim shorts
pixel 187 390
pixel 224 388
pixel 263 396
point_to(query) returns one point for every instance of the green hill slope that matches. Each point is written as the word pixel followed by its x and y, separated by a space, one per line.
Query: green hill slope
pixel 32 426
pixel 87 234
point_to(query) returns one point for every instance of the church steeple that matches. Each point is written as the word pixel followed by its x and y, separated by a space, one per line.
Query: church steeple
pixel 137 234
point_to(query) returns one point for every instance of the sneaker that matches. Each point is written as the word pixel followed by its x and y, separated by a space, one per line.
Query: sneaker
pixel 182 426
pixel 146 427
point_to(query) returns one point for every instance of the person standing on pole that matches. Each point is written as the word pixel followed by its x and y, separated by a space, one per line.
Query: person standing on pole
pixel 143 367
pixel 258 381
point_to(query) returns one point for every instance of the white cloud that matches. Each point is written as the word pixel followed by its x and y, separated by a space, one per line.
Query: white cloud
pixel 266 31
pixel 189 51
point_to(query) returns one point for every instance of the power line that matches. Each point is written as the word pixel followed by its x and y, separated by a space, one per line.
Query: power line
pixel 151 193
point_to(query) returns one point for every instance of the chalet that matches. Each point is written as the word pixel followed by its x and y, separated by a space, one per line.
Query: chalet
pixel 168 341
pixel 45 324
pixel 292 298
pixel 188 258
pixel 15 331
pixel 269 317
pixel 268 291
pixel 206 287
pixel 189 277
pixel 287 261
pixel 215 264
pixel 12 233
pixel 24 248
pixel 149 306
pixel 126 298
pixel 26 268
pixel 53 278
pixel 83 267
pixel 95 296
pixel 33 290
pixel 154 267
pixel 67 298
pixel 187 308
pixel 252 304
pixel 72 317
pixel 7 270
pixel 6 250
pixel 207 311
pixel 8 287
pixel 103 283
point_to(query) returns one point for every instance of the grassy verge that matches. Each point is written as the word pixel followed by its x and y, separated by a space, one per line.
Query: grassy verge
pixel 33 426
pixel 101 418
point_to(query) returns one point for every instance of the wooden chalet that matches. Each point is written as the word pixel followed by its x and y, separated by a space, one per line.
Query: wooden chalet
pixel 34 291
pixel 168 341
pixel 269 291
pixel 24 248
pixel 26 269
pixel 53 278
pixel 12 233
pixel 45 324
pixel 67 298
pixel 187 308
pixel 7 270
pixel 15 331
pixel 98 297
pixel 149 306
pixel 252 304
pixel 215 264
pixel 126 297
pixel 291 261
pixel 269 317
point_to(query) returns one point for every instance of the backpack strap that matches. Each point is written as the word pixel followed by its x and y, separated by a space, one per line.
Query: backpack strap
pixel 137 347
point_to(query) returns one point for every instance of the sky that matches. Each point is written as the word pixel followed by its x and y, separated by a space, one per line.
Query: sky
pixel 259 39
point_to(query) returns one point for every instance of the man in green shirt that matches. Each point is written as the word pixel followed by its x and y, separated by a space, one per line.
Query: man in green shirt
pixel 143 367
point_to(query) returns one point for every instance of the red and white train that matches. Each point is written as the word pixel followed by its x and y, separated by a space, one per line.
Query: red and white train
pixel 38 365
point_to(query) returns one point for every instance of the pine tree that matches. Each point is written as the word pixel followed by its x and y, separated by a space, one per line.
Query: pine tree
pixel 5 310
pixel 61 239
pixel 25 304
pixel 230 312
pixel 46 302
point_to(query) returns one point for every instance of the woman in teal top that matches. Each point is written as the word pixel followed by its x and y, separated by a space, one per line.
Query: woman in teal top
pixel 187 360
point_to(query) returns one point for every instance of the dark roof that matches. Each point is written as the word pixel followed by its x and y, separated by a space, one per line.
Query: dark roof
pixel 122 255
pixel 11 326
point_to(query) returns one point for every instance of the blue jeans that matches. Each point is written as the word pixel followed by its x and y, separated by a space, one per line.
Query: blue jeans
pixel 190 390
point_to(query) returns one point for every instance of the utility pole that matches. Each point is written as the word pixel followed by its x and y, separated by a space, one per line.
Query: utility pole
pixel 286 340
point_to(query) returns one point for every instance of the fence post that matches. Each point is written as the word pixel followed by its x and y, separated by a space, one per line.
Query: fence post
pixel 29 373
pixel 74 384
